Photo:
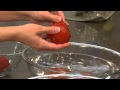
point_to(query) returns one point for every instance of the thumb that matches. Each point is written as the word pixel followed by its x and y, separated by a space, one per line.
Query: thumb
pixel 52 17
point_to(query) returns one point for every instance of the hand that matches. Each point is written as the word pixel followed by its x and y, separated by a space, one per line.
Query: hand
pixel 32 35
pixel 49 16
pixel 34 16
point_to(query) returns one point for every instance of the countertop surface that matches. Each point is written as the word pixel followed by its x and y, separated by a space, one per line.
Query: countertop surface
pixel 106 34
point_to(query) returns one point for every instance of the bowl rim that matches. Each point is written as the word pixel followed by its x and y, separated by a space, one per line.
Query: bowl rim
pixel 72 76
pixel 71 43
pixel 11 54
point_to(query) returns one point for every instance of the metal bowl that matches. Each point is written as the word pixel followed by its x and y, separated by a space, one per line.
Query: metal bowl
pixel 79 58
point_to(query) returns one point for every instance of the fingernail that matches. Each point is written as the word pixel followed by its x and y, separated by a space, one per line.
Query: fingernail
pixel 67 23
pixel 59 19
pixel 57 29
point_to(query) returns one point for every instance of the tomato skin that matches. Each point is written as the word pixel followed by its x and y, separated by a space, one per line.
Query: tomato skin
pixel 61 70
pixel 4 63
pixel 60 77
pixel 63 36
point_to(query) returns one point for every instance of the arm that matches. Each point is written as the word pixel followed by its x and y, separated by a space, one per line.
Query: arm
pixel 7 33
pixel 34 16
pixel 13 15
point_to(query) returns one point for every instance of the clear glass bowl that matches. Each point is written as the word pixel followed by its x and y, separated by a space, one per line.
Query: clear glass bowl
pixel 78 59
pixel 11 51
pixel 64 76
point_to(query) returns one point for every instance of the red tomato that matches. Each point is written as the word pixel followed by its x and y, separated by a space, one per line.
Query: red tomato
pixel 63 36
pixel 4 63
pixel 60 77
pixel 62 70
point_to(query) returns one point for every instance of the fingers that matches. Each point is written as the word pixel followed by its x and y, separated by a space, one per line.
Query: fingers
pixel 50 29
pixel 39 29
pixel 52 17
pixel 51 46
pixel 60 13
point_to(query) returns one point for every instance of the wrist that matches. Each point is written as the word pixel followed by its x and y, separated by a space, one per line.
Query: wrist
pixel 15 33
pixel 7 33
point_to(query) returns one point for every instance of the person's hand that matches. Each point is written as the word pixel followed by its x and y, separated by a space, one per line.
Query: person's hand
pixel 34 35
pixel 49 16
pixel 34 16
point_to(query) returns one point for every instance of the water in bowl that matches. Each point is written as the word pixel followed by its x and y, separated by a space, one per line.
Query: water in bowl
pixel 74 63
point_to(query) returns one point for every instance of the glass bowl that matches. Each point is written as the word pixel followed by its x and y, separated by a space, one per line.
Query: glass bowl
pixel 64 76
pixel 77 59
pixel 12 52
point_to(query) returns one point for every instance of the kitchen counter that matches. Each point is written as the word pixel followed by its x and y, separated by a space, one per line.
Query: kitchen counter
pixel 106 34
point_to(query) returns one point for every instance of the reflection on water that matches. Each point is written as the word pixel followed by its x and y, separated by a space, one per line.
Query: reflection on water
pixel 74 63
